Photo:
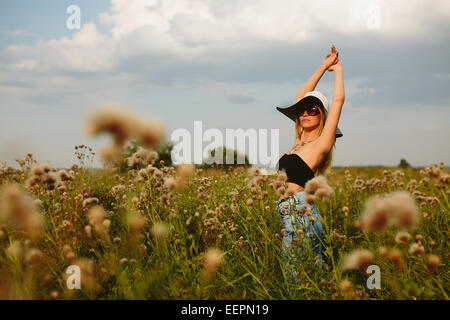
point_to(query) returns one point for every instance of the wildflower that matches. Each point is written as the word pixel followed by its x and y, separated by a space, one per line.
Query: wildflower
pixel 346 286
pixel 88 230
pixel 15 250
pixel 282 176
pixel 160 230
pixel 433 262
pixel 63 175
pixel 136 223
pixel 432 244
pixel 310 198
pixel 357 259
pixel 402 237
pixel 416 249
pixel 345 210
pixel 37 170
pixel 33 256
pixel 184 171
pixel 213 259
pixel 115 121
pixel 123 124
pixel 324 192
pixel 383 252
pixel 98 220
pixel 358 224
pixel 87 276
pixel 88 201
pixel 18 209
pixel 281 191
pixel 277 184
pixel 254 171
pixel 313 184
pixel 318 187
pixel 290 192
pixel 397 260
pixel 143 157
pixel 170 183
pixel 396 209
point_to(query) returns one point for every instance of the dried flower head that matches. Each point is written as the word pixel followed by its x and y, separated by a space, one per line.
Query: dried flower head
pixel 213 259
pixel 346 286
pixel 416 249
pixel 318 187
pixel 160 230
pixel 433 262
pixel 357 259
pixel 18 209
pixel 97 219
pixel 402 237
pixel 397 209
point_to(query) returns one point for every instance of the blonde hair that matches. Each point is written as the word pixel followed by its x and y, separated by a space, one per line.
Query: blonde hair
pixel 325 165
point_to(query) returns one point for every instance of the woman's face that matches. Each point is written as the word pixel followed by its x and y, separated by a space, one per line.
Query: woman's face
pixel 308 121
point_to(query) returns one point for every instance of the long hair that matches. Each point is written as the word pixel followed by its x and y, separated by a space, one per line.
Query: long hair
pixel 325 165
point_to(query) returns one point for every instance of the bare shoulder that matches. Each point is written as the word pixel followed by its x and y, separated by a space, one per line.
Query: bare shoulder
pixel 312 154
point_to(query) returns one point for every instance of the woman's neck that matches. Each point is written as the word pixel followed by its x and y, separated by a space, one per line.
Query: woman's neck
pixel 308 136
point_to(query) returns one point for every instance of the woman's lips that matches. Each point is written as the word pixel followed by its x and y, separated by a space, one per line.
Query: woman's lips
pixel 305 120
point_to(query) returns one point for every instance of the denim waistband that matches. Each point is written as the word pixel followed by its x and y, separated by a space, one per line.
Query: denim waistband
pixel 299 196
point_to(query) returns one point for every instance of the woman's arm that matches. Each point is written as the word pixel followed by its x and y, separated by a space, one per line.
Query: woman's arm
pixel 311 84
pixel 328 136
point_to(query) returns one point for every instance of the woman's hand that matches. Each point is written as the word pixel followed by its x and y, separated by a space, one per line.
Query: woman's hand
pixel 331 58
pixel 336 66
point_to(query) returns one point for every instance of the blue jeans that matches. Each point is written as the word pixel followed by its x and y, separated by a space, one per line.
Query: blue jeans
pixel 293 213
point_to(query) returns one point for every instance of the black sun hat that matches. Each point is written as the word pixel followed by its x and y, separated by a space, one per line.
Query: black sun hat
pixel 311 98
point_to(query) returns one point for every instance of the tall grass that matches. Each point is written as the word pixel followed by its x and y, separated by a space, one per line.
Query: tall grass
pixel 157 242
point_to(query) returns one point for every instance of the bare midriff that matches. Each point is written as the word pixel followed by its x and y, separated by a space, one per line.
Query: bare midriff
pixel 294 186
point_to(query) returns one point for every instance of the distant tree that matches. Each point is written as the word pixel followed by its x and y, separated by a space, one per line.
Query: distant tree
pixel 164 150
pixel 404 164
pixel 224 152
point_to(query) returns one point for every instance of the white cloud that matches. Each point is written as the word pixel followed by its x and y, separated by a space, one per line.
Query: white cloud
pixel 25 65
pixel 207 28
pixel 194 23
pixel 88 50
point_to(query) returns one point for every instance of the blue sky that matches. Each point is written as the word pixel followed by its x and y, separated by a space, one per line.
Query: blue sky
pixel 228 64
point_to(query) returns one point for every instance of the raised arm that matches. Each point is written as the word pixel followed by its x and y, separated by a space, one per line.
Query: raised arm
pixel 311 83
pixel 328 136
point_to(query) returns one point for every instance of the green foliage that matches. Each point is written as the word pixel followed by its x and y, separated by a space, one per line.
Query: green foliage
pixel 173 267
pixel 404 164
pixel 224 158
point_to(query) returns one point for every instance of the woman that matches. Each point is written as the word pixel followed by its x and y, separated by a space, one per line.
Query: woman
pixel 316 133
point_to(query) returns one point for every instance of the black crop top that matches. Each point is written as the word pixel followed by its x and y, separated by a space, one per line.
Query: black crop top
pixel 296 169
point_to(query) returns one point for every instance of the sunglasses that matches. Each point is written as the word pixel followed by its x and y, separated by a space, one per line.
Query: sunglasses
pixel 310 110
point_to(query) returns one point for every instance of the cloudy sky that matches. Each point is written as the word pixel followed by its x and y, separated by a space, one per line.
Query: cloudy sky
pixel 228 64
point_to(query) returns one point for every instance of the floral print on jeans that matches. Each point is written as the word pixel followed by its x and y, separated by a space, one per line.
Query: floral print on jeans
pixel 297 214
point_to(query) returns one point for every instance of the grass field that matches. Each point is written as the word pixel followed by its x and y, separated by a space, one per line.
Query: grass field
pixel 159 232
